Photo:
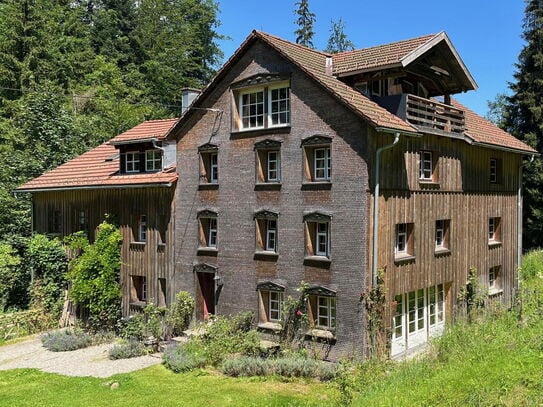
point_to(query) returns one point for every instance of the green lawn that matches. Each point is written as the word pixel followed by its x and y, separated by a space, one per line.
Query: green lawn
pixel 156 386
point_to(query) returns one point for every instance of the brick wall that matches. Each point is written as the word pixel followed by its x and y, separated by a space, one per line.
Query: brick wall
pixel 313 111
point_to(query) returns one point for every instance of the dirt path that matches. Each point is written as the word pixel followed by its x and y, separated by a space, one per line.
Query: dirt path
pixel 92 361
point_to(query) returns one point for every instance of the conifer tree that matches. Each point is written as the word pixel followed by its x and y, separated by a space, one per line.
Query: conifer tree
pixel 524 119
pixel 305 20
pixel 338 41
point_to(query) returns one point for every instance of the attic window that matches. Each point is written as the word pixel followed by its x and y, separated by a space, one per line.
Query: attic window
pixel 262 107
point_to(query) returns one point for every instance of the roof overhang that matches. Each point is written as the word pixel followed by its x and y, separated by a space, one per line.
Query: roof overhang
pixel 91 187
pixel 438 60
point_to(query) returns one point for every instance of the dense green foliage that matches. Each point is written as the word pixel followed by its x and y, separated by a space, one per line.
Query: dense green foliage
pixel 304 20
pixel 47 261
pixel 8 273
pixel 338 40
pixel 180 312
pixel 226 335
pixel 523 112
pixel 94 276
pixel 74 74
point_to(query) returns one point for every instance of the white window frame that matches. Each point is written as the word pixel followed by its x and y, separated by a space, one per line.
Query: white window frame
pixel 142 228
pixel 323 163
pixel 276 169
pixel 131 161
pixel 324 236
pixel 250 104
pixel 144 288
pixel 153 160
pixel 426 166
pixel 212 232
pixel 493 229
pixel 274 305
pixel 492 276
pixel 271 235
pixel 272 102
pixel 214 168
pixel 401 238
pixel 329 314
pixel 440 234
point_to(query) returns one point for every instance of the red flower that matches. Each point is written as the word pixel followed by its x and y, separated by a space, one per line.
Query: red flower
pixel 299 313
pixel 394 303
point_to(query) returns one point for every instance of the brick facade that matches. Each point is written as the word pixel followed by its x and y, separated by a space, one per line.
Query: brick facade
pixel 236 200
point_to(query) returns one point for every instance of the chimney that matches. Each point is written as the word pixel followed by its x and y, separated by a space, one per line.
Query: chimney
pixel 329 66
pixel 187 97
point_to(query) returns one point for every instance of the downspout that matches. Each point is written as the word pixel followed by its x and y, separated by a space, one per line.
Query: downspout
pixel 519 220
pixel 376 207
pixel 155 145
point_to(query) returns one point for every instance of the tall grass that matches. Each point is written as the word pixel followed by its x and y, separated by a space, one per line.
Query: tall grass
pixel 495 361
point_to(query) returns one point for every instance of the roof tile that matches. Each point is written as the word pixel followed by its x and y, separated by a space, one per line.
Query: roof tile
pixel 146 130
pixel 99 168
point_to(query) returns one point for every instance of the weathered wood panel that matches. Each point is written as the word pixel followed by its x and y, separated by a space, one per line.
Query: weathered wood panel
pixel 152 259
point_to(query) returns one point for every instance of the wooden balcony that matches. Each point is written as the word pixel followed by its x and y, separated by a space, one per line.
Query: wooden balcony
pixel 430 116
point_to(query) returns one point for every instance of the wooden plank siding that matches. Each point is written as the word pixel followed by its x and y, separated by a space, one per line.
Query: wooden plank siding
pixel 463 194
pixel 152 259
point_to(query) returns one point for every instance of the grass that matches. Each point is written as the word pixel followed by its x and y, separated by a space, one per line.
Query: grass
pixel 497 361
pixel 156 386
pixel 488 364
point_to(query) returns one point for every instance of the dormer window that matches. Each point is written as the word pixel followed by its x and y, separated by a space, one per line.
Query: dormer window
pixel 262 101
pixel 153 160
pixel 141 158
pixel 132 161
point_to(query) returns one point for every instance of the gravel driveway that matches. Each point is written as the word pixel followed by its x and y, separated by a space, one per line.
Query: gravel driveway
pixel 92 361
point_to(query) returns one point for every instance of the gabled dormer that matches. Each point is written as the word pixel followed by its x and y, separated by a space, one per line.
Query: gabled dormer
pixel 412 79
pixel 144 148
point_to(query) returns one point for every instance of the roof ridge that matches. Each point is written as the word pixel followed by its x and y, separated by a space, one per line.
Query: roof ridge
pixel 429 36
pixel 264 34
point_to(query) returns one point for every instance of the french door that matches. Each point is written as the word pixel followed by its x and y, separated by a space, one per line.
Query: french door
pixel 418 316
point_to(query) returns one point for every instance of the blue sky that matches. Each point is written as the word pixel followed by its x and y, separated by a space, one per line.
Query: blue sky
pixel 486 33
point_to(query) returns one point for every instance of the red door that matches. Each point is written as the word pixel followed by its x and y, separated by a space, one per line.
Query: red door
pixel 206 295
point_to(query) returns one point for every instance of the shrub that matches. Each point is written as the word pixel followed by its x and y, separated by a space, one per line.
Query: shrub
pixel 61 341
pixel 532 264
pixel 132 327
pixel 284 366
pixel 228 335
pixel 182 358
pixel 94 276
pixel 130 349
pixel 246 366
pixel 180 312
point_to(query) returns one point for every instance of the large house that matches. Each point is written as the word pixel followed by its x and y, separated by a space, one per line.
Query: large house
pixel 297 166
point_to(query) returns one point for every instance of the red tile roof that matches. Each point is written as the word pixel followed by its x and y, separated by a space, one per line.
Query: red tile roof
pixel 483 131
pixel 99 168
pixel 382 55
pixel 147 130
pixel 314 64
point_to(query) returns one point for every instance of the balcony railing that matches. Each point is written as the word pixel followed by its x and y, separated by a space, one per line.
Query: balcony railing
pixel 428 115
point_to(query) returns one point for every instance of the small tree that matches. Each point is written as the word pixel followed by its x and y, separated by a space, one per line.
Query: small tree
pixel 338 41
pixel 94 276
pixel 306 19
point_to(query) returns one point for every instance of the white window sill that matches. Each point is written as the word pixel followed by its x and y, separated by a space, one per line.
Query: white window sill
pixel 207 250
pixel 320 334
pixel 270 326
pixel 441 250
pixel 263 128
pixel 266 253
pixel 494 291
pixel 494 243
pixel 403 257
